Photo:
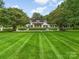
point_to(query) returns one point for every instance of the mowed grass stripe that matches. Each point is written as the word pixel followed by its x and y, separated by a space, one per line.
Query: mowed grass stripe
pixel 10 41
pixel 13 49
pixel 47 51
pixel 64 49
pixel 61 39
pixel 13 45
pixel 5 35
pixel 31 49
pixel 53 48
pixel 33 45
pixel 71 33
pixel 72 54
pixel 9 37
pixel 72 44
pixel 41 46
pixel 25 41
pixel 70 40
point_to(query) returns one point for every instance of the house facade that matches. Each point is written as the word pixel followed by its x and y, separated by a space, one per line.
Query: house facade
pixel 38 24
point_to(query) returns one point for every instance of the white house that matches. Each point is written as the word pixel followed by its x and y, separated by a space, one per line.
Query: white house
pixel 38 24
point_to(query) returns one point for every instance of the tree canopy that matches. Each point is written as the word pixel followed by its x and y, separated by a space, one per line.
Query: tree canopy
pixel 66 12
pixel 13 17
pixel 1 3
pixel 37 16
pixel 17 17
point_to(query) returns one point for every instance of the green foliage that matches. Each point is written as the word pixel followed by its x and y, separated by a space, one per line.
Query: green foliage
pixel 4 19
pixel 37 16
pixel 73 7
pixel 17 17
pixel 13 17
pixel 1 3
pixel 66 13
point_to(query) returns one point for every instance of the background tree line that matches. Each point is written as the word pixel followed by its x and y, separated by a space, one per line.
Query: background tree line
pixel 13 17
pixel 66 14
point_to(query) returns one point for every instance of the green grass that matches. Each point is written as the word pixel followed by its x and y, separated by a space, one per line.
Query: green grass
pixel 39 45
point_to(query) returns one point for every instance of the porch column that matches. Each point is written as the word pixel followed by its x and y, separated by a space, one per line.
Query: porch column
pixel 58 29
pixel 42 26
pixel 1 28
pixel 17 29
pixel 33 26
pixel 48 26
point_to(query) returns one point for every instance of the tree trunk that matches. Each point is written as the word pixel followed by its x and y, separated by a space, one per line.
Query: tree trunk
pixel 14 28
pixel 61 28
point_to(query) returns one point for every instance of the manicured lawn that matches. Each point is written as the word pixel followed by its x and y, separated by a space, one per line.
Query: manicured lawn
pixel 39 45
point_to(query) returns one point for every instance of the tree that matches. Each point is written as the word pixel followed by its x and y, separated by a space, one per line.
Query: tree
pixel 73 7
pixel 3 18
pixel 58 17
pixel 37 16
pixel 17 18
pixel 66 13
pixel 1 3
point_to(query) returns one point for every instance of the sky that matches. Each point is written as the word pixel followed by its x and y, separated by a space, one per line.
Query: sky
pixel 43 7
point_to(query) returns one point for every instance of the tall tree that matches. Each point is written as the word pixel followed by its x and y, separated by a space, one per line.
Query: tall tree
pixel 3 18
pixel 37 16
pixel 58 17
pixel 73 7
pixel 17 18
pixel 1 3
pixel 67 12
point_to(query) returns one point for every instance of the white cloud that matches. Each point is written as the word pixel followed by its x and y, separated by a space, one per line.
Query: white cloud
pixel 60 2
pixel 39 10
pixel 15 6
pixel 42 2
pixel 54 0
pixel 55 3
